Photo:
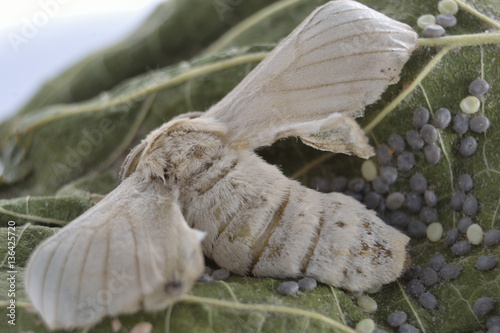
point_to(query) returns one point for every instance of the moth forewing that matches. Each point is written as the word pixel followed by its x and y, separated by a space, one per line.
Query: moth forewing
pixel 340 59
pixel 131 251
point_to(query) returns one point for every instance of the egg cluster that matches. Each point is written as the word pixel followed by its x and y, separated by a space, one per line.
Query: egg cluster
pixel 414 210
pixel 434 26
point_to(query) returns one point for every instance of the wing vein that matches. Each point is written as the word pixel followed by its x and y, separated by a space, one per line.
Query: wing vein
pixel 349 56
pixel 82 271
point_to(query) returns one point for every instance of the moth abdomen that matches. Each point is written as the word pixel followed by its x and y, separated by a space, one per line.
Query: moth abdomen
pixel 260 223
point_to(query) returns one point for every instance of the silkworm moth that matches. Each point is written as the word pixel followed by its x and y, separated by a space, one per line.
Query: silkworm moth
pixel 198 172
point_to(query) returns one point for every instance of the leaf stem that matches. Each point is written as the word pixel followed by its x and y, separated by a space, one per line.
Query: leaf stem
pixel 131 133
pixel 267 308
pixel 246 24
pixel 46 116
pixel 32 217
pixel 461 40
pixel 411 307
pixel 478 14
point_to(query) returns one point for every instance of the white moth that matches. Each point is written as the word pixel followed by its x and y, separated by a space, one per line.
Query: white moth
pixel 135 249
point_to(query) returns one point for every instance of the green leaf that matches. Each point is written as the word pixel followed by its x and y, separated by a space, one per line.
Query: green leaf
pixel 59 159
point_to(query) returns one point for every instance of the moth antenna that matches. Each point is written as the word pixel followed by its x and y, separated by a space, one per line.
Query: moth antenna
pixel 131 161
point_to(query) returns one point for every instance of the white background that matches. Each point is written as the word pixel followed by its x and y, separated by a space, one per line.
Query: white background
pixel 63 31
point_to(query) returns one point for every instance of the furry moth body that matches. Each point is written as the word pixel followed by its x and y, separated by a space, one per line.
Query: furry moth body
pixel 260 223
pixel 199 171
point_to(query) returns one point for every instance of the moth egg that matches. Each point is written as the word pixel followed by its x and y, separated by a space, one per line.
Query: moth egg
pixel 446 20
pixel 428 276
pixel 400 220
pixel 434 231
pixel 395 200
pixel 428 301
pixel 461 248
pixel 379 185
pixel 430 198
pixel 389 174
pixel 413 202
pixel 205 278
pixel 479 87
pixel 414 140
pixel 408 328
pixel 464 223
pixel 418 183
pixel 288 288
pixel 493 329
pixel 483 306
pixel 450 272
pixel 470 104
pixel 460 123
pixel 356 184
pixel 479 124
pixel 321 185
pixel 493 321
pixel 397 318
pixel 415 287
pixel 492 237
pixel 437 262
pixel 417 229
pixel 142 327
pixel 468 146
pixel 374 290
pixel 307 283
pixel 457 200
pixel 365 326
pixel 448 7
pixel 429 133
pixel 465 182
pixel 367 303
pixel 452 236
pixel 475 234
pixel 428 215
pixel 221 274
pixel 442 118
pixel 486 263
pixel 405 161
pixel 433 31
pixel 383 155
pixel 413 272
pixel 368 170
pixel 426 20
pixel 372 200
pixel 397 143
pixel 339 184
pixel 420 117
pixel 207 270
pixel 432 153
pixel 470 206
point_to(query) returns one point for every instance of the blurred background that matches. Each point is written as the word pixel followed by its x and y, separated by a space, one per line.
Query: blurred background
pixel 41 38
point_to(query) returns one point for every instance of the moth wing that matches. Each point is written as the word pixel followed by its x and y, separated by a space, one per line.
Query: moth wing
pixel 131 251
pixel 340 59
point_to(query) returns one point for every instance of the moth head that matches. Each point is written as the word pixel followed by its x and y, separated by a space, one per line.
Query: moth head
pixel 150 156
